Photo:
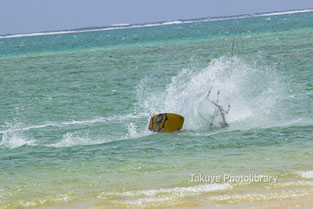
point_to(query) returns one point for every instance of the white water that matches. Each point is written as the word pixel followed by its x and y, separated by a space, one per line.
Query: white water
pixel 145 197
pixel 305 174
pixel 251 90
pixel 14 136
pixel 12 139
pixel 129 26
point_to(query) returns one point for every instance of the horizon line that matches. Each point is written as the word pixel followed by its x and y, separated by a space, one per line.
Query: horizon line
pixel 122 26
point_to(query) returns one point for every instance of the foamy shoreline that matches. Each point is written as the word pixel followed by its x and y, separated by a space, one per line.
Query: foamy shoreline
pixel 202 203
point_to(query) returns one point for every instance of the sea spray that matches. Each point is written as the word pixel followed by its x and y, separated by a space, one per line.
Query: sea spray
pixel 90 144
pixel 13 138
pixel 252 90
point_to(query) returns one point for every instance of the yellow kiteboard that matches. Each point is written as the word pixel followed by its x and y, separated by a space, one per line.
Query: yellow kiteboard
pixel 166 122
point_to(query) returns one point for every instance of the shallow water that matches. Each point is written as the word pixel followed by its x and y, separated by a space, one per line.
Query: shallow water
pixel 75 108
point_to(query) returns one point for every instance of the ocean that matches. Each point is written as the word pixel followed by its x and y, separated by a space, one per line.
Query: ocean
pixel 75 107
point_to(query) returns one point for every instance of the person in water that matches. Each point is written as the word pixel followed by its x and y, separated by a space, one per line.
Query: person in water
pixel 222 112
pixel 219 110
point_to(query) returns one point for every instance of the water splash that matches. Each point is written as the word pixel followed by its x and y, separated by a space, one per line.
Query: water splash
pixel 72 139
pixel 14 139
pixel 251 89
pixel 135 132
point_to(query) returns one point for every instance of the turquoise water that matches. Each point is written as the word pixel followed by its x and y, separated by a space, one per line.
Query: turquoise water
pixel 74 110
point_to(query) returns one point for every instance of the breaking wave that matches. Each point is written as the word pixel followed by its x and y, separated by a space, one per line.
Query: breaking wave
pixel 129 26
pixel 14 134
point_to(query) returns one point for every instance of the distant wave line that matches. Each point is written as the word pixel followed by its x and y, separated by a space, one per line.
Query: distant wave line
pixel 130 26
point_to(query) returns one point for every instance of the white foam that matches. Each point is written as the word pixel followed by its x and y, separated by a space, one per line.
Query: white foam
pixel 14 139
pixel 75 139
pixel 143 197
pixel 291 184
pixel 305 174
pixel 71 139
pixel 173 22
pixel 267 196
pixel 120 24
pixel 251 90
pixel 21 127
pixel 129 26
pixel 285 12
pixel 134 133
pixel 180 191
pixel 13 136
